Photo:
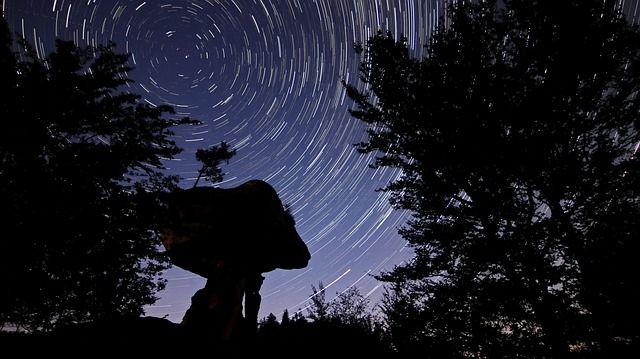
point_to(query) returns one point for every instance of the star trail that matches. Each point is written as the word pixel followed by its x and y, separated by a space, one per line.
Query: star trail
pixel 263 76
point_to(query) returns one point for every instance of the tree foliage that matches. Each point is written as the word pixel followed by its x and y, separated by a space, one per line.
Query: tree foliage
pixel 345 321
pixel 352 308
pixel 516 136
pixel 318 306
pixel 349 308
pixel 211 158
pixel 80 173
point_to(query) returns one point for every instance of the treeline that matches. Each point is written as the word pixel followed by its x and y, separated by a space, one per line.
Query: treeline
pixel 346 324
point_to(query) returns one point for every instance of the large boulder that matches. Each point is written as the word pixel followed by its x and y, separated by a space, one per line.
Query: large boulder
pixel 246 227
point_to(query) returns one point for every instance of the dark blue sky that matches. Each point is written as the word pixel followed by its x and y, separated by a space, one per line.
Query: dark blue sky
pixel 265 77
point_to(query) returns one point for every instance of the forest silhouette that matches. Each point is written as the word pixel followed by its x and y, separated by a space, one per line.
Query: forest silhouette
pixel 517 138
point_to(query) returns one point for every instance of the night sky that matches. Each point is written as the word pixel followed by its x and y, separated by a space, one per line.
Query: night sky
pixel 263 75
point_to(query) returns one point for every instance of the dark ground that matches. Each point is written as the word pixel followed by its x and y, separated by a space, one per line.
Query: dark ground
pixel 156 337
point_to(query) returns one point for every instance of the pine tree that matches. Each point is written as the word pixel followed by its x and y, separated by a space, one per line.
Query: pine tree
pixel 211 158
pixel 81 178
pixel 285 318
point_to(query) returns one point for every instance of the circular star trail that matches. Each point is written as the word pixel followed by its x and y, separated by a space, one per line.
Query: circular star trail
pixel 264 76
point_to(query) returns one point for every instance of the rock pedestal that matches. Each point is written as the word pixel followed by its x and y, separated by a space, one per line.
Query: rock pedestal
pixel 230 236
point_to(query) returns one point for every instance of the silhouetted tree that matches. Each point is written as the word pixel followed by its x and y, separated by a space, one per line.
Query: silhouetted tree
pixel 405 320
pixel 80 177
pixel 269 323
pixel 516 136
pixel 285 318
pixel 211 159
pixel 319 307
pixel 298 317
pixel 349 308
pixel 352 308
